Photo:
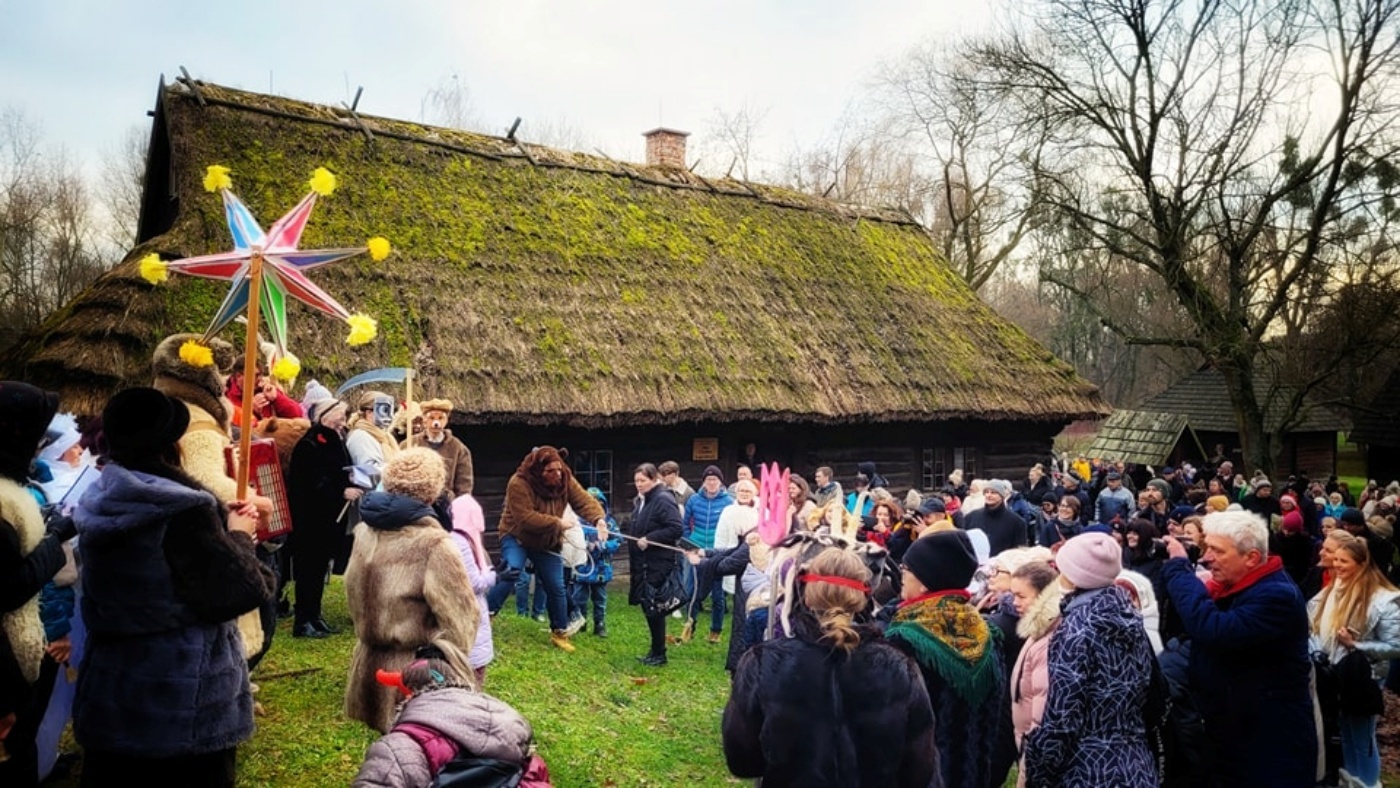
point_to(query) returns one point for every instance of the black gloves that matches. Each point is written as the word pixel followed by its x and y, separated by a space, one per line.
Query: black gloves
pixel 62 527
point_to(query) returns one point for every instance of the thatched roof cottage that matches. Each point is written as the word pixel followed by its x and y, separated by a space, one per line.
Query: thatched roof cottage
pixel 629 312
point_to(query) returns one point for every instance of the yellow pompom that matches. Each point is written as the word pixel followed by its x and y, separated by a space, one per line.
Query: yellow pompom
pixel 378 248
pixel 286 368
pixel 216 178
pixel 196 355
pixel 323 181
pixel 363 329
pixel 154 269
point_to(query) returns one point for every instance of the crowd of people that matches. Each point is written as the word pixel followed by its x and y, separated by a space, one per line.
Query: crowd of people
pixel 1094 623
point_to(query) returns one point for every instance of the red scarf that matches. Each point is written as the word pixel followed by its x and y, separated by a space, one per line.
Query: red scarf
pixel 957 592
pixel 1271 565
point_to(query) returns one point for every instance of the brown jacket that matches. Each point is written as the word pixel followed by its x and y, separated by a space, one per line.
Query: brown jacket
pixel 456 457
pixel 406 588
pixel 537 522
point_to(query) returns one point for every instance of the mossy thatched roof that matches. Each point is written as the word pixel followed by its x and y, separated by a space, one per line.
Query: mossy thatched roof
pixel 548 287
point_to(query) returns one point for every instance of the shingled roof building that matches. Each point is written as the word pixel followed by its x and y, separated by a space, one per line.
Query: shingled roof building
pixel 1377 428
pixel 629 312
pixel 1194 415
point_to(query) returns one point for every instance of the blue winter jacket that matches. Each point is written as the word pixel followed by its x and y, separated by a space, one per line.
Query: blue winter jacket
pixel 702 515
pixel 1250 674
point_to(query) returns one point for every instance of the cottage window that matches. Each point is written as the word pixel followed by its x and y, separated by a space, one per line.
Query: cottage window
pixel 938 462
pixel 594 469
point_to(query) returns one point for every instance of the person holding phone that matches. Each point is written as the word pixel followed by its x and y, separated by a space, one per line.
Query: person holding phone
pixel 1358 611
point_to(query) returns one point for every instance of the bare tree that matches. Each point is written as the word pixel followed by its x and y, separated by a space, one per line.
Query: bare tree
pixel 47 248
pixel 730 139
pixel 1186 141
pixel 123 180
pixel 983 157
pixel 859 162
pixel 449 103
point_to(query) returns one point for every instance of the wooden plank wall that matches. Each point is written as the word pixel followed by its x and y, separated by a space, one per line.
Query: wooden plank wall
pixel 1003 449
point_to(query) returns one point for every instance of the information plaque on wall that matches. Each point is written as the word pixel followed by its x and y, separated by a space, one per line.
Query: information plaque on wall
pixel 705 450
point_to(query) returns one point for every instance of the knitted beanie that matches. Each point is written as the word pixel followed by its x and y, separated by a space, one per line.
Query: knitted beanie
pixel 712 470
pixel 317 401
pixel 1217 503
pixel 942 561
pixel 1001 487
pixel 1090 560
pixel 416 473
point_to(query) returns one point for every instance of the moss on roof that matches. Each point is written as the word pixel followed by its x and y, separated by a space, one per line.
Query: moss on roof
pixel 553 287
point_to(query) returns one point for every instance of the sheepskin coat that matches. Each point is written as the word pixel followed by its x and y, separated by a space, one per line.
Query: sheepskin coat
pixel 406 588
pixel 27 561
pixel 456 721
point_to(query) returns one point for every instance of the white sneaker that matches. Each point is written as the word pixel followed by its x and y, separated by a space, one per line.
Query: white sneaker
pixel 676 614
pixel 575 625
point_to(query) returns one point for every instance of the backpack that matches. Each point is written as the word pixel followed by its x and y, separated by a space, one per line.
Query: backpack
pixel 470 771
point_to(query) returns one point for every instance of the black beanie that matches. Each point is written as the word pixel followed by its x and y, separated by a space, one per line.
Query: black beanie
pixel 712 470
pixel 942 561
pixel 143 420
pixel 25 413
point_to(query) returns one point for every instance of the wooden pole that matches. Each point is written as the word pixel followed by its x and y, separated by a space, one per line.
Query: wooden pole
pixel 250 373
pixel 408 404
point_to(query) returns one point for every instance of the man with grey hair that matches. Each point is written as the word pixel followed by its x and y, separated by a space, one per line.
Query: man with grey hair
pixel 1249 666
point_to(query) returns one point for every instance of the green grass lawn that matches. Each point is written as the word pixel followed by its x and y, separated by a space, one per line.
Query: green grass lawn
pixel 599 717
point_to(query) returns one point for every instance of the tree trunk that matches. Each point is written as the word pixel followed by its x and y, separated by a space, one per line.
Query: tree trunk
pixel 1254 438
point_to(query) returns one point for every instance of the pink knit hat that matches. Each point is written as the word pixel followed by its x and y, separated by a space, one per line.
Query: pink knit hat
pixel 1091 560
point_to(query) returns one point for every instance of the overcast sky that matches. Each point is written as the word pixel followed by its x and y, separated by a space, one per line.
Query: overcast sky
pixel 87 71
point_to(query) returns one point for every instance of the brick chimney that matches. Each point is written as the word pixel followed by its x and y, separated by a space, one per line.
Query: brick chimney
pixel 666 147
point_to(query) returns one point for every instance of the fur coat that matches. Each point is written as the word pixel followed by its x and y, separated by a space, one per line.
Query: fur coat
pixel 803 714
pixel 533 513
pixel 19 512
pixel 406 588
pixel 202 457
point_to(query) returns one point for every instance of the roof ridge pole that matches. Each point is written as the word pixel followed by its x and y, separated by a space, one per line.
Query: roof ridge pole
pixel 250 371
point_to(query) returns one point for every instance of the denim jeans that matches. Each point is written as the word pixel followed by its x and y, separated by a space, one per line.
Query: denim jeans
pixel 549 572
pixel 522 595
pixel 598 593
pixel 717 609
pixel 1360 756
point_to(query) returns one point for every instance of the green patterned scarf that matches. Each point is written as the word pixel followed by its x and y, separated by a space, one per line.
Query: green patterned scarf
pixel 951 638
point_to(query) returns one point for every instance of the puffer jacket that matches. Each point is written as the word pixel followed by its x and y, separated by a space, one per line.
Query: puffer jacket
pixel 1380 642
pixel 1030 678
pixel 438 724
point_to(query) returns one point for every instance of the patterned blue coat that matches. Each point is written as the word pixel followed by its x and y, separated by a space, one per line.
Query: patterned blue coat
pixel 1093 732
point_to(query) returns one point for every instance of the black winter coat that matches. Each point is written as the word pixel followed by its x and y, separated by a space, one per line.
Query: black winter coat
pixel 659 521
pixel 803 714
pixel 1004 528
pixel 316 485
